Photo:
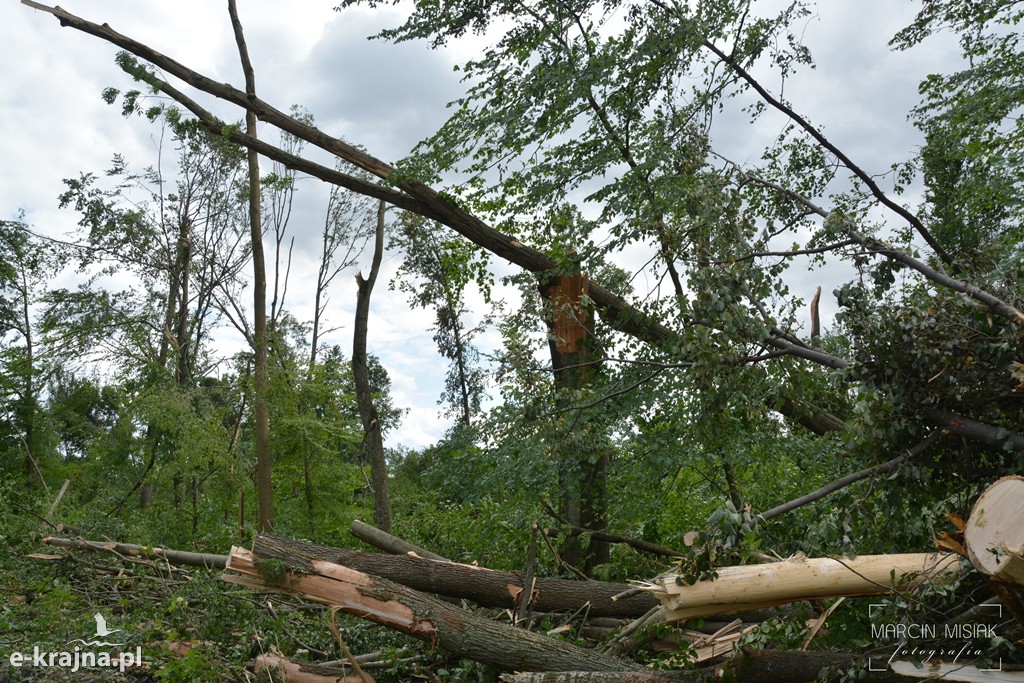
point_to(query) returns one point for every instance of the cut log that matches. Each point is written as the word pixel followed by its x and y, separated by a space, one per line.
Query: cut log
pixel 388 543
pixel 207 560
pixel 995 531
pixel 487 587
pixel 391 604
pixel 749 587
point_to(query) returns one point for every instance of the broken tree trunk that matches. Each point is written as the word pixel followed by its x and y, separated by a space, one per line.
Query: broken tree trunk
pixel 388 543
pixel 457 631
pixel 487 587
pixel 995 531
pixel 801 578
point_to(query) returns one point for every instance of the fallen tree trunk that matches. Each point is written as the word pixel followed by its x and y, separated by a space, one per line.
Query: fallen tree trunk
pixel 388 543
pixel 749 666
pixel 749 587
pixel 455 630
pixel 207 560
pixel 487 587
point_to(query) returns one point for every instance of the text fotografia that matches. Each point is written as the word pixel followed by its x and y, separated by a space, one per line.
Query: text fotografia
pixel 77 659
pixel 950 643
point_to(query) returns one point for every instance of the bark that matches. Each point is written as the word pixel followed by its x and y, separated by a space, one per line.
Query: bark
pixel 387 542
pixel 455 630
pixel 372 439
pixel 487 587
pixel 749 666
pixel 583 467
pixel 994 535
pixel 990 435
pixel 205 560
pixel 749 587
pixel 261 408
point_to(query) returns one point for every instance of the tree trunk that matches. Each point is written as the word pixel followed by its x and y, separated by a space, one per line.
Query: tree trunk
pixel 583 469
pixel 261 409
pixel 372 440
pixel 457 631
pixel 185 557
pixel 388 543
pixel 749 587
pixel 487 587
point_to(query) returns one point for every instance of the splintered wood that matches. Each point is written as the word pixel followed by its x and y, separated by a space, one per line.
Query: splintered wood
pixel 751 587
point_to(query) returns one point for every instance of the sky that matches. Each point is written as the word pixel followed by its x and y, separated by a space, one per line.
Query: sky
pixel 386 98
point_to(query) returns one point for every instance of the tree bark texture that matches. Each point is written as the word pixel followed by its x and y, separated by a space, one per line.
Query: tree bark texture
pixel 373 441
pixel 487 587
pixel 387 542
pixel 453 629
pixel 261 408
pixel 583 469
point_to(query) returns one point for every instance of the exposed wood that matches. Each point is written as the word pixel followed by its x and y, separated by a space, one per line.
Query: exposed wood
pixel 457 631
pixel 582 466
pixel 747 587
pixel 995 531
pixel 617 313
pixel 749 666
pixel 487 587
pixel 955 671
pixel 303 672
pixel 56 501
pixel 184 557
pixel 387 542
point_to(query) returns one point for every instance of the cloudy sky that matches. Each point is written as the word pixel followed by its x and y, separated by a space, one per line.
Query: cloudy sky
pixel 384 97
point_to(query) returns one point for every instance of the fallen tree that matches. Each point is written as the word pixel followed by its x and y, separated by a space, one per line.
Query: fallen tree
pixel 486 587
pixel 457 631
pixel 206 560
pixel 801 578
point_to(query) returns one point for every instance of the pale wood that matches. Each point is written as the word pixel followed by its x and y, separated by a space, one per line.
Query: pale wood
pixel 749 587
pixel 997 524
pixel 951 671
pixel 301 672
pixel 457 631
